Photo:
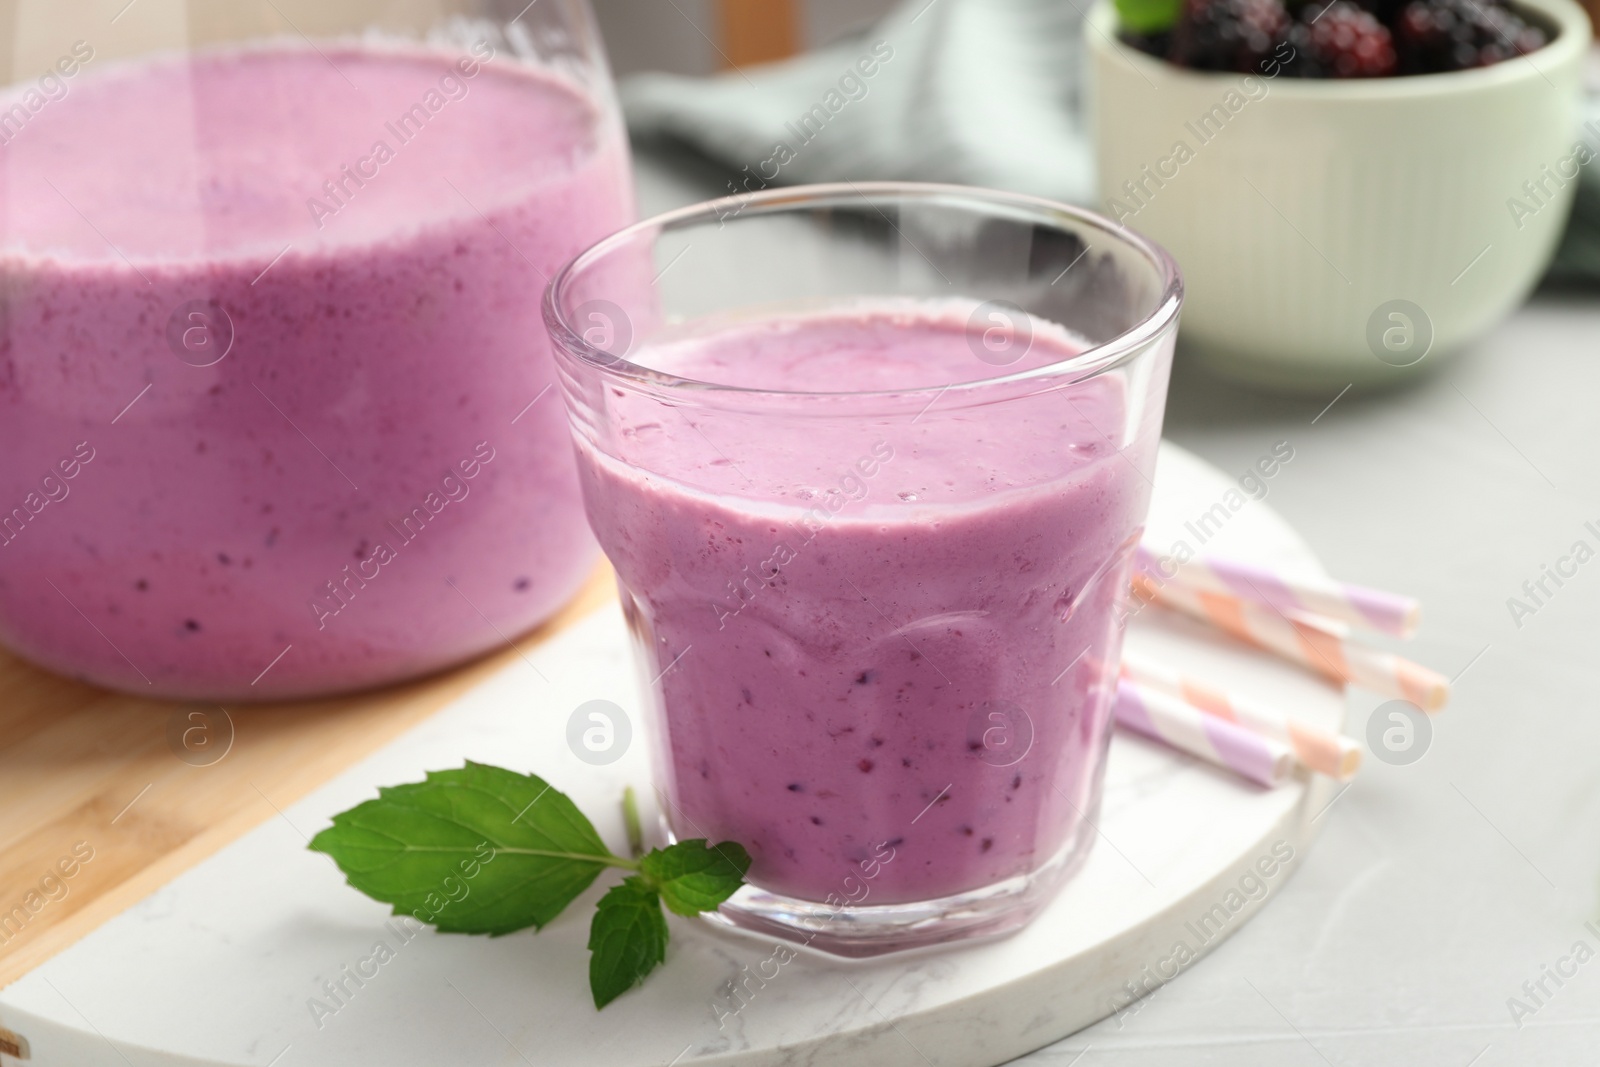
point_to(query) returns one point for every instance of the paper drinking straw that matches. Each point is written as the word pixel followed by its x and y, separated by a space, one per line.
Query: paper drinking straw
pixel 1321 648
pixel 1170 721
pixel 1323 751
pixel 1355 605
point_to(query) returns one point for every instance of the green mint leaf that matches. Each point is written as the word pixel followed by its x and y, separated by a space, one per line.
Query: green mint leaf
pixel 627 939
pixel 694 877
pixel 479 850
pixel 1148 16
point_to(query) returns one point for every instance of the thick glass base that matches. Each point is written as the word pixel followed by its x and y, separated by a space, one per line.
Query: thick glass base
pixel 861 931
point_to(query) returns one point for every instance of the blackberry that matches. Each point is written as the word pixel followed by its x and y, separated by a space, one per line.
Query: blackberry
pixel 1432 36
pixel 1157 44
pixel 1385 11
pixel 1233 35
pixel 1341 40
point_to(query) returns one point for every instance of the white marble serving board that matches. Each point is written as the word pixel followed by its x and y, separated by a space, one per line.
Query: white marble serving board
pixel 222 965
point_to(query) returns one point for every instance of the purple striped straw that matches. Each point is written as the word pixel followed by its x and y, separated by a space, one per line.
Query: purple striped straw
pixel 1354 605
pixel 1185 727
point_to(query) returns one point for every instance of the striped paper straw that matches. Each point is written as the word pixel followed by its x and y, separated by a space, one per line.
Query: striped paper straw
pixel 1321 750
pixel 1320 648
pixel 1170 721
pixel 1355 605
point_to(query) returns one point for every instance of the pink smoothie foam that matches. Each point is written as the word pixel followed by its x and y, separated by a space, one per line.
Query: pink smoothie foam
pixel 362 476
pixel 901 654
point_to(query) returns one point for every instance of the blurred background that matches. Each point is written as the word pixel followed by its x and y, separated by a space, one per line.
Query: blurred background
pixel 684 36
pixel 704 36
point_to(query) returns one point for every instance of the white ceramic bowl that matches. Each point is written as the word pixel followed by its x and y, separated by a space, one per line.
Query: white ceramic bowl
pixel 1333 231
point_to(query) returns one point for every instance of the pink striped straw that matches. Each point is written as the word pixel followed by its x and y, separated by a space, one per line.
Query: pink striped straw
pixel 1356 605
pixel 1321 750
pixel 1188 729
pixel 1320 648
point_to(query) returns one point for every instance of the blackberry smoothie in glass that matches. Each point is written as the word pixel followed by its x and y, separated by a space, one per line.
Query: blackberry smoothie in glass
pixel 871 484
pixel 275 403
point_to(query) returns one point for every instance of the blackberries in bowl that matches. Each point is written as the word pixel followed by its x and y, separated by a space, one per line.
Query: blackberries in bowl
pixel 1331 38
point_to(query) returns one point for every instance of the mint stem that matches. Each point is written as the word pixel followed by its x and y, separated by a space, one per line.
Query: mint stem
pixel 630 819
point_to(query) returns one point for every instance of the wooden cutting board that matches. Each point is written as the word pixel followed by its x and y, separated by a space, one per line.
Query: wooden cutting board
pixel 86 767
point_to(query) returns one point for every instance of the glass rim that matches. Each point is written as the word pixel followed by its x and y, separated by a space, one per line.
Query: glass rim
pixel 1095 359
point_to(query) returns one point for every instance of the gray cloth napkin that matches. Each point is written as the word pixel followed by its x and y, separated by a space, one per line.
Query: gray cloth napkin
pixel 977 91
pixel 982 92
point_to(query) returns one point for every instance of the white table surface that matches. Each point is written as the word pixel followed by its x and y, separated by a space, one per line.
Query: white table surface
pixel 1439 888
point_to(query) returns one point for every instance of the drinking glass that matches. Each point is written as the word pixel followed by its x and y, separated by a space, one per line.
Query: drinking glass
pixel 273 411
pixel 871 462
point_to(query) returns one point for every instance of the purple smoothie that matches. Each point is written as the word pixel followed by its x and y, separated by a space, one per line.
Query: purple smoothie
pixel 881 634
pixel 374 472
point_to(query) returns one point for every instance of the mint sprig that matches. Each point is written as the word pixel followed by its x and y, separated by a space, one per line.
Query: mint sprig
pixel 483 850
